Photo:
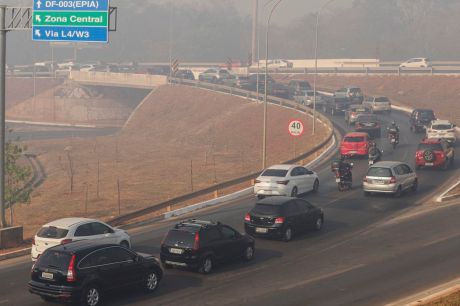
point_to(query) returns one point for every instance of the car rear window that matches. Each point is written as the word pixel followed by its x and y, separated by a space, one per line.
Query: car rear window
pixel 52 232
pixel 381 99
pixel 355 91
pixel 379 172
pixel 182 238
pixel 304 85
pixel 54 259
pixel 429 146
pixel 353 139
pixel 427 114
pixel 275 172
pixel 266 209
pixel 441 126
pixel 365 118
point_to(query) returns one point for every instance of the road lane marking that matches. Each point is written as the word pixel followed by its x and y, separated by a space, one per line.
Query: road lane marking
pixel 315 279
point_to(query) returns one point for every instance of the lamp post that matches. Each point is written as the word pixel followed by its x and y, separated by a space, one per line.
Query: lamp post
pixel 264 137
pixel 316 64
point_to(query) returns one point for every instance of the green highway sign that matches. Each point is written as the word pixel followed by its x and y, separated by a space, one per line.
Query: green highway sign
pixel 56 18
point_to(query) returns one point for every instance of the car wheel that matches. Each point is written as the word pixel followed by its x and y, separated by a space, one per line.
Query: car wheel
pixel 287 234
pixel 260 197
pixel 316 186
pixel 151 281
pixel 398 192
pixel 125 244
pixel 248 254
pixel 294 192
pixel 414 186
pixel 47 298
pixel 91 296
pixel 319 224
pixel 206 265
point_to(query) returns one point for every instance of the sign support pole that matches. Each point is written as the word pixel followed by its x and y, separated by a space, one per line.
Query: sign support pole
pixel 2 112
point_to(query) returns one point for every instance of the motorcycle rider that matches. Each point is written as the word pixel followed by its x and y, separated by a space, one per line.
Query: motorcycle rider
pixel 344 169
pixel 374 152
pixel 394 130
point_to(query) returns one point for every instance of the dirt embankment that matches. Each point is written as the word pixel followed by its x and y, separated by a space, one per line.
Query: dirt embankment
pixel 440 93
pixel 22 89
pixel 180 138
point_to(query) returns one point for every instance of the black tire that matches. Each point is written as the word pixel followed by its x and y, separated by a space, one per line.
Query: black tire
pixel 315 186
pixel 398 192
pixel 206 265
pixel 91 295
pixel 319 224
pixel 125 244
pixel 414 186
pixel 248 253
pixel 47 298
pixel 287 234
pixel 294 192
pixel 151 281
pixel 260 197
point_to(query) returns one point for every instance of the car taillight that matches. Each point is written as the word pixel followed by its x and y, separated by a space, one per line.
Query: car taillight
pixel 283 182
pixel 71 275
pixel 33 241
pixel 65 241
pixel 247 217
pixel 196 242
pixel 365 180
pixel 392 180
pixel 279 220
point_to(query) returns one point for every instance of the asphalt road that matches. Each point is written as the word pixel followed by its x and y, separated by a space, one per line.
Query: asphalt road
pixel 371 251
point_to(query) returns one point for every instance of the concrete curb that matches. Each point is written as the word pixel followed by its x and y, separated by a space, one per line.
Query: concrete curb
pixel 444 197
pixel 87 126
pixel 15 254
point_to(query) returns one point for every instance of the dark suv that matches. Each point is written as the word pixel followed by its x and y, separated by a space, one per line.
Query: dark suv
pixel 83 271
pixel 200 245
pixel 282 217
pixel 336 105
pixel 420 119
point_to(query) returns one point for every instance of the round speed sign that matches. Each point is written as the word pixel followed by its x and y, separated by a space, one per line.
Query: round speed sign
pixel 295 127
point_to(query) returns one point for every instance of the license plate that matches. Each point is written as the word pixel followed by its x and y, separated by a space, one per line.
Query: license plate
pixel 371 162
pixel 380 182
pixel 47 275
pixel 428 164
pixel 176 251
pixel 393 140
pixel 353 152
pixel 261 230
pixel 337 180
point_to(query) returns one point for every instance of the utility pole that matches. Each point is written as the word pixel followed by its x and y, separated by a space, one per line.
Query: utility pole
pixel 255 21
pixel 2 112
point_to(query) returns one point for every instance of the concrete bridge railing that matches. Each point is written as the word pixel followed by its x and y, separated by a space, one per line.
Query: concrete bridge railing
pixel 118 79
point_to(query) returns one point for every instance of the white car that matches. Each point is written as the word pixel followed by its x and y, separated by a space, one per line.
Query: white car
pixel 377 104
pixel 285 180
pixel 417 62
pixel 278 63
pixel 66 230
pixel 441 129
pixel 306 97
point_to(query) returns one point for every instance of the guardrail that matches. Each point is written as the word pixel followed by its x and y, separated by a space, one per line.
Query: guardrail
pixel 168 205
pixel 437 70
pixel 147 81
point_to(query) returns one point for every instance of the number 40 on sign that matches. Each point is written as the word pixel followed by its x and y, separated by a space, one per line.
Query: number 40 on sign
pixel 296 128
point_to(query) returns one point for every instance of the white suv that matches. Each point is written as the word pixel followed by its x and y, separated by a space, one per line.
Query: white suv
pixel 377 104
pixel 66 230
pixel 417 62
pixel 441 129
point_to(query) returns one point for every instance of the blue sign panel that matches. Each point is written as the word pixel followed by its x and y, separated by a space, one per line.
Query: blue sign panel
pixel 71 20
pixel 78 34
pixel 71 5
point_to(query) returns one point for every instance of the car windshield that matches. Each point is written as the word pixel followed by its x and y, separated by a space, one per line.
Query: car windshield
pixel 275 172
pixel 54 259
pixel 441 126
pixel 180 238
pixel 52 232
pixel 429 146
pixel 379 172
pixel 266 209
pixel 381 99
pixel 353 139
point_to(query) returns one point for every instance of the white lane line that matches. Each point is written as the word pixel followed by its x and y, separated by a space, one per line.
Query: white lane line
pixel 325 276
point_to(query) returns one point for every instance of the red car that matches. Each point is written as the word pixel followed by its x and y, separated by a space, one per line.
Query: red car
pixel 355 144
pixel 434 153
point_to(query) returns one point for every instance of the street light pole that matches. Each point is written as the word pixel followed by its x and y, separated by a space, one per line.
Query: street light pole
pixel 2 112
pixel 264 137
pixel 316 64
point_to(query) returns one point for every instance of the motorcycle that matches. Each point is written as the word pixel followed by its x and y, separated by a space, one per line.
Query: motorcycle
pixel 344 180
pixel 394 139
pixel 374 157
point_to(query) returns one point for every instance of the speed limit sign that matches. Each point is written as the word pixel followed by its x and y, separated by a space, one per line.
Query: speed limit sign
pixel 295 127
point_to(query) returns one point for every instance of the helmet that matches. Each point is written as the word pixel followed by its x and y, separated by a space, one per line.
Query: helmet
pixel 393 123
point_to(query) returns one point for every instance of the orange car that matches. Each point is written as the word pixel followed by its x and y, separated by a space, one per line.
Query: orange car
pixel 355 144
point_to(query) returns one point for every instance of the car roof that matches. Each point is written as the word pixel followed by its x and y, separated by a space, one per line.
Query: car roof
pixel 282 167
pixel 82 246
pixel 194 224
pixel 278 200
pixel 387 164
pixel 69 222
pixel 356 134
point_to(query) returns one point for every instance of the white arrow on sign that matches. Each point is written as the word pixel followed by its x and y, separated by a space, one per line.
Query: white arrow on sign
pixel 39 4
pixel 38 18
pixel 37 33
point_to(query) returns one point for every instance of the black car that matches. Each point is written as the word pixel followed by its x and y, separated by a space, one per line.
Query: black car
pixel 185 74
pixel 252 82
pixel 420 119
pixel 336 105
pixel 282 217
pixel 368 124
pixel 278 90
pixel 200 245
pixel 83 271
pixel 298 87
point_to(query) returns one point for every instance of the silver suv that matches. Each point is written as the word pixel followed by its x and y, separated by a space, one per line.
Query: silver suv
pixel 389 177
pixel 214 75
pixel 352 93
